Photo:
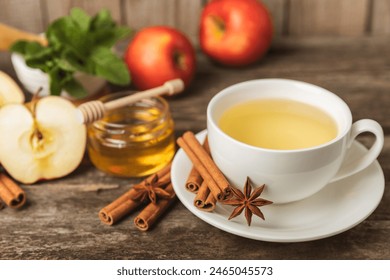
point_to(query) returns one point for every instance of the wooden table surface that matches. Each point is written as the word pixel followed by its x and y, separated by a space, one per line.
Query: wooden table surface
pixel 60 220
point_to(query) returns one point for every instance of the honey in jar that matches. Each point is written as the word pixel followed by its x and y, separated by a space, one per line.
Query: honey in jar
pixel 133 141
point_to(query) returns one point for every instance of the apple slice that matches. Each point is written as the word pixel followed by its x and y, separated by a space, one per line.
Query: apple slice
pixel 44 142
pixel 10 92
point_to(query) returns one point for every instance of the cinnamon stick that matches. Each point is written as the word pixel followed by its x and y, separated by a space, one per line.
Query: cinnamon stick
pixel 210 203
pixel 217 192
pixel 194 179
pixel 126 203
pixel 119 208
pixel 149 215
pixel 12 195
pixel 204 199
pixel 202 195
pixel 2 205
pixel 210 173
pixel 204 152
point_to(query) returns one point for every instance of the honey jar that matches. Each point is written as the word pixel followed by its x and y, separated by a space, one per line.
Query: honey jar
pixel 132 141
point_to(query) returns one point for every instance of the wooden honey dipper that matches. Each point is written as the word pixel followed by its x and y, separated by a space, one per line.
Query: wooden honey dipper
pixel 9 35
pixel 94 110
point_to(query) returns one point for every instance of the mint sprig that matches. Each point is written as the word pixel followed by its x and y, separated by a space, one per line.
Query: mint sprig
pixel 78 43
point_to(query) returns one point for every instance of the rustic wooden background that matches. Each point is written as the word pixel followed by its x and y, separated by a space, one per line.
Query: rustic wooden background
pixel 60 220
pixel 353 61
pixel 291 17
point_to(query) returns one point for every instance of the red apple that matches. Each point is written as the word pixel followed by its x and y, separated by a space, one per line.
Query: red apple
pixel 235 32
pixel 158 54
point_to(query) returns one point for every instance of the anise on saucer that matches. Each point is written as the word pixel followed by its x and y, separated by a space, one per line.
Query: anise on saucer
pixel 247 200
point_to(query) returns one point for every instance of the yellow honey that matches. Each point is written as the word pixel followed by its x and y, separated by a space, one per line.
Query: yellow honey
pixel 133 141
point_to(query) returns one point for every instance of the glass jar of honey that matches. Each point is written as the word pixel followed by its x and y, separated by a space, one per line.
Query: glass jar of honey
pixel 133 141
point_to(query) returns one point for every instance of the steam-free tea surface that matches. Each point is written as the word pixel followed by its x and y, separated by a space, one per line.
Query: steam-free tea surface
pixel 278 124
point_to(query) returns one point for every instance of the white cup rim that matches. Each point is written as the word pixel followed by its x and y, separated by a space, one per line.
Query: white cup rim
pixel 213 102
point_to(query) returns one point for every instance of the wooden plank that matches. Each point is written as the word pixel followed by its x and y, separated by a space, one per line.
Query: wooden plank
pixel 328 17
pixel 140 13
pixel 56 9
pixel 187 17
pixel 277 8
pixel 380 17
pixel 182 14
pixel 26 15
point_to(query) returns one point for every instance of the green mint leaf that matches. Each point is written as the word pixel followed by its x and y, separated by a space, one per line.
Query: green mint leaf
pixel 55 81
pixel 38 64
pixel 60 79
pixel 75 89
pixel 65 65
pixel 78 43
pixel 42 54
pixel 80 19
pixel 57 31
pixel 27 48
pixel 19 47
pixel 102 19
pixel 110 67
pixel 81 64
pixel 70 36
pixel 34 54
pixel 105 31
pixel 53 35
pixel 108 37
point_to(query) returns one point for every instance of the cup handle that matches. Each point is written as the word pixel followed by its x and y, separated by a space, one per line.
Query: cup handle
pixel 352 167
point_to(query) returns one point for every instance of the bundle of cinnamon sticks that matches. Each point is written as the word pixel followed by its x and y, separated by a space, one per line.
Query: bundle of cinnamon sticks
pixel 155 193
pixel 205 179
pixel 10 193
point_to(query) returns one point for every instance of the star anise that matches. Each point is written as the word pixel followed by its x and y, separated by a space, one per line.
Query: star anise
pixel 151 190
pixel 247 200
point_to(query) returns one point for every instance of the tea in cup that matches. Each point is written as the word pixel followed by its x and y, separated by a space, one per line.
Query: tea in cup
pixel 278 124
pixel 290 135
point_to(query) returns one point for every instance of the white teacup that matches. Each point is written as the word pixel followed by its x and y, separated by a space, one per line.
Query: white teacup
pixel 289 175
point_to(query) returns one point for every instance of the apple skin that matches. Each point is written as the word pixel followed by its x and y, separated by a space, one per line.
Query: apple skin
pixel 235 32
pixel 158 54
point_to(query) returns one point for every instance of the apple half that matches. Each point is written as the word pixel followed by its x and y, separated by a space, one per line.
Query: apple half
pixel 43 141
pixel 10 92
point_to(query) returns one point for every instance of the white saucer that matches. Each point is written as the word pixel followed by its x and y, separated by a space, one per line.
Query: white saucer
pixel 336 208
